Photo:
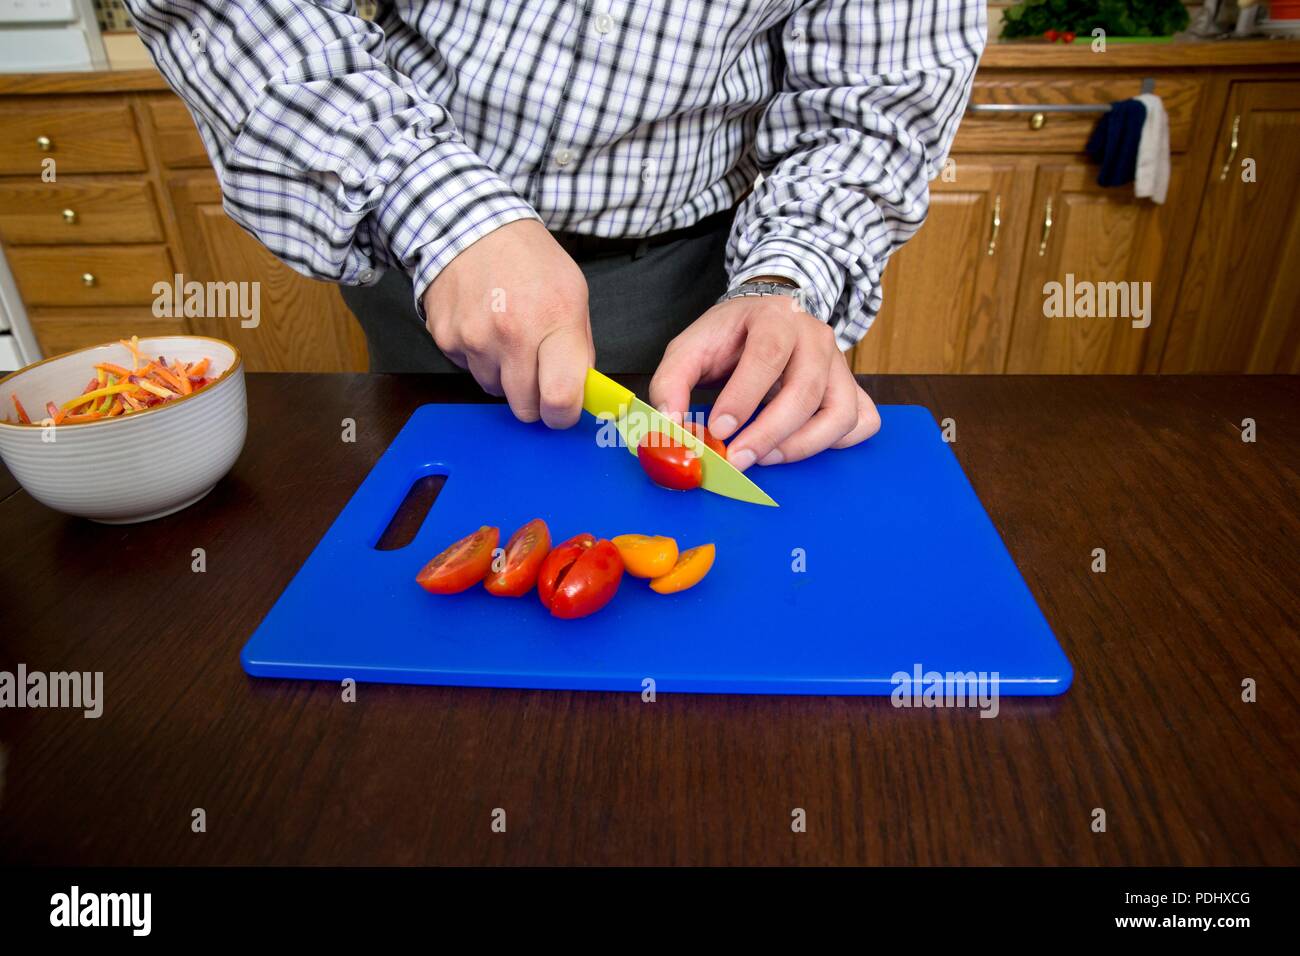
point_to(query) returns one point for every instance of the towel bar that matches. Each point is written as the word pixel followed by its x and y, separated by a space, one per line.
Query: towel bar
pixel 1148 86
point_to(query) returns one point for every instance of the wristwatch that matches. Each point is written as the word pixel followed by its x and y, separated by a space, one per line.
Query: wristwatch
pixel 762 286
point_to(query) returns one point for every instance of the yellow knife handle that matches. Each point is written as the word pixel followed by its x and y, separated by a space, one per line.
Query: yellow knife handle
pixel 602 395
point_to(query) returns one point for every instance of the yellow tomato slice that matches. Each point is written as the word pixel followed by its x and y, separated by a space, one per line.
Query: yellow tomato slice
pixel 646 556
pixel 691 567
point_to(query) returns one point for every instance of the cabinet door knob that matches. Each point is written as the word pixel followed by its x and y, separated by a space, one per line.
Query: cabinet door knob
pixel 88 279
pixel 996 225
pixel 44 144
pixel 1038 121
pixel 1047 228
pixel 70 216
pixel 1232 149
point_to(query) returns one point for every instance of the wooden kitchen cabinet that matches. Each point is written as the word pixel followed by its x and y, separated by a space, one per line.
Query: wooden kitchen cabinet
pixel 67 329
pixel 75 211
pixel 80 135
pixel 948 302
pixel 87 276
pixel 133 202
pixel 1222 255
pixel 1240 295
pixel 1095 241
pixel 303 326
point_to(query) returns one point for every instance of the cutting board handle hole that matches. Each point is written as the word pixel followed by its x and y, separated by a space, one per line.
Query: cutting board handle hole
pixel 410 514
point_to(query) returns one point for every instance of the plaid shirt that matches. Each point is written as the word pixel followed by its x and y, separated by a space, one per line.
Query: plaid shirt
pixel 349 147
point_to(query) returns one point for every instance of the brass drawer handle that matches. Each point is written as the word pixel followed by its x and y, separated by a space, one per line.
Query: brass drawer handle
pixel 88 279
pixel 997 224
pixel 44 144
pixel 1232 149
pixel 70 216
pixel 1037 121
pixel 1047 228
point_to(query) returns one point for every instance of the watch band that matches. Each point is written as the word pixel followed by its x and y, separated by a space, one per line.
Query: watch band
pixel 760 287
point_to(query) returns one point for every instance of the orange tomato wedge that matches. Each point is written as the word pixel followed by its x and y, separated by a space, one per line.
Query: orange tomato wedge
pixel 689 570
pixel 646 556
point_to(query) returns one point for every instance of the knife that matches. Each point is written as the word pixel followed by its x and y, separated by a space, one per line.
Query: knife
pixel 633 418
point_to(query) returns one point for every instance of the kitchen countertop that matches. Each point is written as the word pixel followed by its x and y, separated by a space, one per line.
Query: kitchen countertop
pixel 1200 592
pixel 1241 54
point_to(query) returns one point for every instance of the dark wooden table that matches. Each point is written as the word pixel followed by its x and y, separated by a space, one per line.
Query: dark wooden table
pixel 1200 530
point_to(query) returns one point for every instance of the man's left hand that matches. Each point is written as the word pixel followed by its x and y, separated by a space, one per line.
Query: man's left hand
pixel 762 345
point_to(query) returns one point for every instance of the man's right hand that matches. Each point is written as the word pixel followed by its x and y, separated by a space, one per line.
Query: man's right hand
pixel 512 309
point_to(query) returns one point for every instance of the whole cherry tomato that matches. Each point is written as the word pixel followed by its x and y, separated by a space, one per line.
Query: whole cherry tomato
pixel 1067 36
pixel 525 552
pixel 462 565
pixel 580 577
pixel 1051 36
pixel 669 463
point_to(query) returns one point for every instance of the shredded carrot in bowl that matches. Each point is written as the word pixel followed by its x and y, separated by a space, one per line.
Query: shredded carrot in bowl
pixel 115 390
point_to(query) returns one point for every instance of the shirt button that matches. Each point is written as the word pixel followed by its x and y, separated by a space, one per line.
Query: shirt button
pixel 563 157
pixel 366 276
pixel 604 23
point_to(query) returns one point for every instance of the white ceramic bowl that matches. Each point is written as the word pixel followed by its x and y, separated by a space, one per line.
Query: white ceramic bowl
pixel 133 467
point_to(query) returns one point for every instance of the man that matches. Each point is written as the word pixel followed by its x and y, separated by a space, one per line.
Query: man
pixel 449 161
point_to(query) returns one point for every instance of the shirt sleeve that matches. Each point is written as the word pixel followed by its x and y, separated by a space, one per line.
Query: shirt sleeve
pixel 335 161
pixel 865 114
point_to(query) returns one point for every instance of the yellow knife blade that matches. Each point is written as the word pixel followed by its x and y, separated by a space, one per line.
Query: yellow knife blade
pixel 633 418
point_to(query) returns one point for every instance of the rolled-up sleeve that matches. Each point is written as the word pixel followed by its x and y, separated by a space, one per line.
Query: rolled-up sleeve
pixel 865 115
pixel 336 162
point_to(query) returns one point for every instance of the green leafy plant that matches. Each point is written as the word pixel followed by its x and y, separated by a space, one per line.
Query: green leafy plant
pixel 1145 18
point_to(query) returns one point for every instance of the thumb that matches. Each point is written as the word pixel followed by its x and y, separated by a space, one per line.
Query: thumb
pixel 562 363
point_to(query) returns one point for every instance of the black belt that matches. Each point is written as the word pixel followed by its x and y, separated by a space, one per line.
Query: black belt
pixel 581 246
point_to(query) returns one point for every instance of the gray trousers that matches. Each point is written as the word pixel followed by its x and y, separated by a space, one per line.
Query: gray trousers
pixel 639 299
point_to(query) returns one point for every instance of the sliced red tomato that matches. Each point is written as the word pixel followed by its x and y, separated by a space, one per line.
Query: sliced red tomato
pixel 462 565
pixel 669 463
pixel 702 432
pixel 580 577
pixel 525 552
pixel 557 564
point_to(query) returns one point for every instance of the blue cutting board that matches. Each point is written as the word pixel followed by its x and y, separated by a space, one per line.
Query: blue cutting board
pixel 880 560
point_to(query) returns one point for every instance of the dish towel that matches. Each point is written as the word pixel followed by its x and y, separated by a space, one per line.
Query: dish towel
pixel 1114 142
pixel 1151 178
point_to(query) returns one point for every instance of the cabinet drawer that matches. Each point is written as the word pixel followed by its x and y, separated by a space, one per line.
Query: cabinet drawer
pixel 1014 132
pixel 69 212
pixel 118 275
pixel 93 134
pixel 65 330
pixel 179 144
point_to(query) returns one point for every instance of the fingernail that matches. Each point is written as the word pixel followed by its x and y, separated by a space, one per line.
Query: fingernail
pixel 742 459
pixel 773 457
pixel 722 426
